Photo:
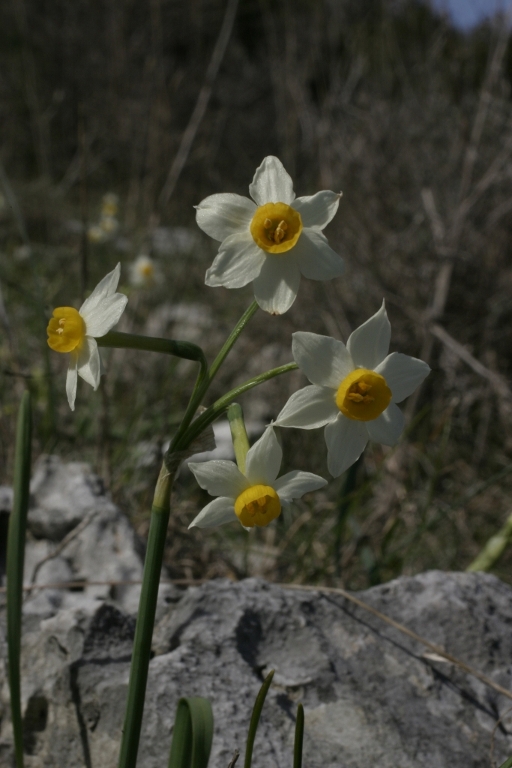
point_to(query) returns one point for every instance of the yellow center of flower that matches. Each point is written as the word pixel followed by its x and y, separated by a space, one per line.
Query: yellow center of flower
pixel 276 227
pixel 146 269
pixel 363 395
pixel 66 329
pixel 257 505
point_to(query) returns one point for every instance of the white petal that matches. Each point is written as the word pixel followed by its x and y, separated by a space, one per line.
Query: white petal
pixel 388 427
pixel 72 380
pixel 403 374
pixel 238 262
pixel 219 477
pixel 106 287
pixel 217 512
pixel 276 286
pixel 346 440
pixel 369 344
pixel 272 183
pixel 317 210
pixel 295 484
pixel 264 459
pixel 89 365
pixel 309 408
pixel 316 258
pixel 324 360
pixel 105 315
pixel 223 215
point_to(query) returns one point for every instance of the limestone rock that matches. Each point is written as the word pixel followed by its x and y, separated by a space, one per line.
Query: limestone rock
pixel 63 493
pixel 371 696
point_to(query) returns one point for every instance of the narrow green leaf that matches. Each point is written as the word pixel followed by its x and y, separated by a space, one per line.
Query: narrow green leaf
pixel 299 737
pixel 193 734
pixel 15 561
pixel 507 763
pixel 256 714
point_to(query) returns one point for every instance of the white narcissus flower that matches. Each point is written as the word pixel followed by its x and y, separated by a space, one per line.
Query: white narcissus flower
pixel 256 497
pixel 354 389
pixel 76 331
pixel 143 271
pixel 271 241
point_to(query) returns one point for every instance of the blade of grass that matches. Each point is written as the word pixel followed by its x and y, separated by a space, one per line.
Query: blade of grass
pixel 299 737
pixel 255 718
pixel 15 561
pixel 507 763
pixel 193 734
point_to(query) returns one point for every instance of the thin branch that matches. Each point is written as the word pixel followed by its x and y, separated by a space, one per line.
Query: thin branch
pixel 77 530
pixel 497 381
pixel 202 102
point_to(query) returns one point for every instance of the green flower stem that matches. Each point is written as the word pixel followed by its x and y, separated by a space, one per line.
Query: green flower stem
pixel 493 549
pixel 202 385
pixel 220 405
pixel 238 435
pixel 160 513
pixel 182 349
pixel 233 336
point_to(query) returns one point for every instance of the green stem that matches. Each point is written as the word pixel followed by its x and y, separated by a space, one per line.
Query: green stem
pixel 220 405
pixel 182 349
pixel 160 512
pixel 233 336
pixel 203 384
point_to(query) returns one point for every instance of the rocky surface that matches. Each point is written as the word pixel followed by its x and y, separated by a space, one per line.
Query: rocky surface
pixel 371 695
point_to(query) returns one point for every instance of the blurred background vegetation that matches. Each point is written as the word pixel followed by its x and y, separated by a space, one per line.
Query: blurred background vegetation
pixel 163 102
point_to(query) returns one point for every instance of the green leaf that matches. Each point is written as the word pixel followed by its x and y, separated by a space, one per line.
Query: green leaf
pixel 193 734
pixel 256 713
pixel 299 738
pixel 15 561
pixel 507 763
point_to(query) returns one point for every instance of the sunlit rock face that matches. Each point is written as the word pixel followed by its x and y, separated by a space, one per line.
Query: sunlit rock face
pixel 372 696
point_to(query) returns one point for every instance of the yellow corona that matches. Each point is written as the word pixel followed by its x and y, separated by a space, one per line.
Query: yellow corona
pixel 363 395
pixel 257 505
pixel 276 227
pixel 66 330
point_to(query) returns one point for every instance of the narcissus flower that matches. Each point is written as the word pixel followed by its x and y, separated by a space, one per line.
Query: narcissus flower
pixel 271 241
pixel 256 497
pixel 354 389
pixel 143 271
pixel 74 331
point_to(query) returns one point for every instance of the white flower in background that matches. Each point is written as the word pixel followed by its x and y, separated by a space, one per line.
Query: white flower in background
pixel 272 241
pixel 354 389
pixel 109 225
pixel 109 204
pixel 256 497
pixel 76 331
pixel 143 271
pixel 96 234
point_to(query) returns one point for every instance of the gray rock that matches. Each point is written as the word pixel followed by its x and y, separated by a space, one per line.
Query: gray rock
pixel 371 697
pixel 101 548
pixel 5 499
pixel 63 493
